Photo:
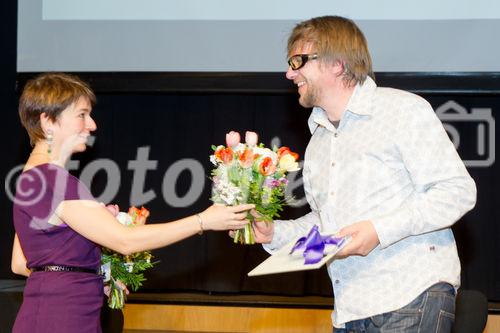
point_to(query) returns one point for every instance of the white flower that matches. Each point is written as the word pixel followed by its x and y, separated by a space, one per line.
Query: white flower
pixel 239 148
pixel 221 172
pixel 213 159
pixel 106 271
pixel 124 218
pixel 266 152
pixel 225 192
pixel 129 266
pixel 287 163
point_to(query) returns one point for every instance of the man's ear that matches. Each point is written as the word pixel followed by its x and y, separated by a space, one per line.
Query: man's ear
pixel 337 68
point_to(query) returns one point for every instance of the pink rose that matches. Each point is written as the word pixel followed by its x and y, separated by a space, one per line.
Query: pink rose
pixel 251 138
pixel 232 139
pixel 113 209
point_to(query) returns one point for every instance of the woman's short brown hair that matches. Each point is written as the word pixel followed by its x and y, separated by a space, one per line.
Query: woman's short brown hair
pixel 335 38
pixel 49 93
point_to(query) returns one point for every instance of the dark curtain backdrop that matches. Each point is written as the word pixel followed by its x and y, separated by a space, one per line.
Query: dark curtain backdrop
pixel 183 125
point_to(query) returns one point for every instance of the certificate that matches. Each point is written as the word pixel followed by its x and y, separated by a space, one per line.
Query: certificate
pixel 282 261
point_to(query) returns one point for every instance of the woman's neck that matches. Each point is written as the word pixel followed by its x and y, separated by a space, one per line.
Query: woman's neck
pixel 41 155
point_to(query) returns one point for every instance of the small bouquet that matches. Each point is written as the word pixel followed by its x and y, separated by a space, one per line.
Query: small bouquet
pixel 124 271
pixel 251 173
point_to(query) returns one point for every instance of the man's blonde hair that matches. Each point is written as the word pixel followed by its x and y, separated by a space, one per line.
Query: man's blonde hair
pixel 335 39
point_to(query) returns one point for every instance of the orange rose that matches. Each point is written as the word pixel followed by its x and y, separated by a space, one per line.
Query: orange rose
pixel 285 150
pixel 246 158
pixel 267 167
pixel 225 155
pixel 139 216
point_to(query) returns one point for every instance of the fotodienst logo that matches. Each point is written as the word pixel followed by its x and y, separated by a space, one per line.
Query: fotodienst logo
pixel 480 127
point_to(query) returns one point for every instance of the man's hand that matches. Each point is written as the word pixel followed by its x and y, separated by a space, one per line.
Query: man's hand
pixel 263 231
pixel 364 239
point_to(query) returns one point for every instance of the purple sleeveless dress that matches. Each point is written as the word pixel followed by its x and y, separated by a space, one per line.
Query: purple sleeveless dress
pixel 55 301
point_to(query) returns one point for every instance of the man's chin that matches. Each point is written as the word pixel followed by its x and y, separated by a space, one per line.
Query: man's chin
pixel 305 103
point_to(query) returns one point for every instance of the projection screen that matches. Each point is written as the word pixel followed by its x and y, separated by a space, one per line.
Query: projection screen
pixel 250 36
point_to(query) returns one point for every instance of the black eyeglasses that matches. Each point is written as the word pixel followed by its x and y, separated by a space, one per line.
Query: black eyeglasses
pixel 298 61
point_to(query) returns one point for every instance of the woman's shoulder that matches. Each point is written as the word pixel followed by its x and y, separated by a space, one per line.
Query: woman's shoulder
pixel 51 180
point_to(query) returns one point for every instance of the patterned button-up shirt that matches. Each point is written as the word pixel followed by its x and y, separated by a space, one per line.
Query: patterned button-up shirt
pixel 389 161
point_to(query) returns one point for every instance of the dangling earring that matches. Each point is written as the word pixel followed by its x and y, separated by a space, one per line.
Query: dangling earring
pixel 50 138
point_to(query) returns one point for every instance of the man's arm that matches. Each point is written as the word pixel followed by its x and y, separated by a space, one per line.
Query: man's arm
pixel 443 190
pixel 274 235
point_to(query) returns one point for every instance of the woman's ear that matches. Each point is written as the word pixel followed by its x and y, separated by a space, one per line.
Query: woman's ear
pixel 45 122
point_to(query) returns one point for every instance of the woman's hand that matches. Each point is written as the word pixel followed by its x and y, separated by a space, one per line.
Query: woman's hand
pixel 263 230
pixel 119 284
pixel 220 217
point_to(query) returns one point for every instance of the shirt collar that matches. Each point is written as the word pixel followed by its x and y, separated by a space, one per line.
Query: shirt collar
pixel 357 104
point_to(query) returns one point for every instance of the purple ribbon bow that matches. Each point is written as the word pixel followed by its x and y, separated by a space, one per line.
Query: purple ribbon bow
pixel 313 246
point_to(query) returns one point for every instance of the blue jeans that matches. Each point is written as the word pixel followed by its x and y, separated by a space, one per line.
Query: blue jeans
pixel 432 311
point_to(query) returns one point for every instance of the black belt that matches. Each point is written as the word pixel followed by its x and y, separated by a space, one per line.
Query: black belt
pixel 59 268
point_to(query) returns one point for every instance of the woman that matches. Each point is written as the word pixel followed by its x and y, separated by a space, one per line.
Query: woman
pixel 59 226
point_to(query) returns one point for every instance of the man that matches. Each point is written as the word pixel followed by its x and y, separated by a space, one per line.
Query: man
pixel 380 168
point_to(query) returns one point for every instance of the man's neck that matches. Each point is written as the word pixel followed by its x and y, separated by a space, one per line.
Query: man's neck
pixel 337 101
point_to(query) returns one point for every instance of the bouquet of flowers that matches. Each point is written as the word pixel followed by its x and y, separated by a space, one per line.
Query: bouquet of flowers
pixel 124 271
pixel 251 173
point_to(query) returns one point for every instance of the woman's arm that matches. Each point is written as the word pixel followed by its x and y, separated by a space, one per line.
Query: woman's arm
pixel 18 262
pixel 93 221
